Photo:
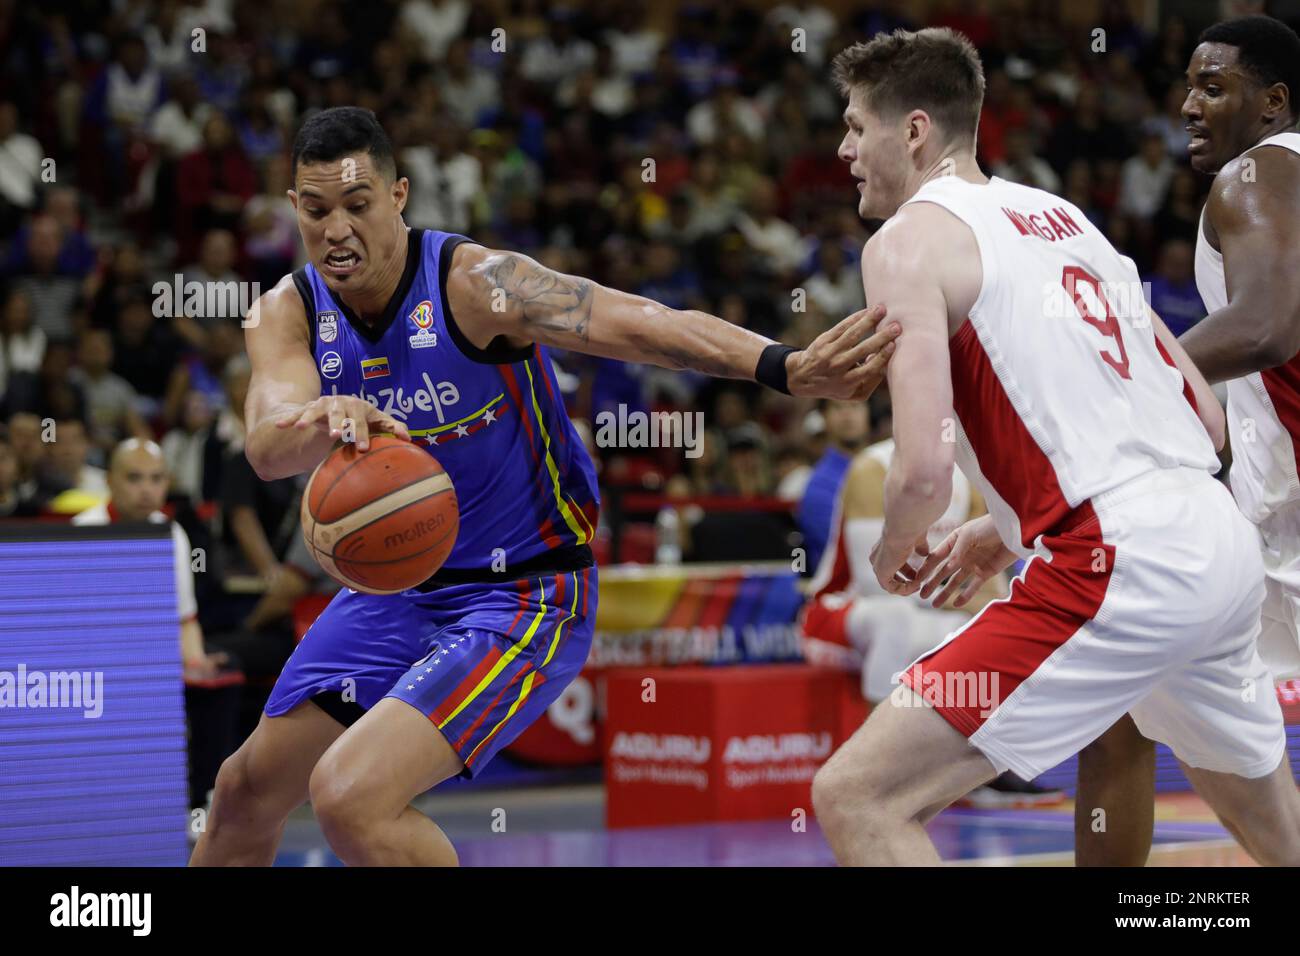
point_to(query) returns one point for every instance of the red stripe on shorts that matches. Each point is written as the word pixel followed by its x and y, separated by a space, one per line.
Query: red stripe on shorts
pixel 1010 639
pixel 466 686
pixel 469 731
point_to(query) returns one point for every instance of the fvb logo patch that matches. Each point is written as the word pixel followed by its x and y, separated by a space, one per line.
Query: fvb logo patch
pixel 327 326
pixel 422 316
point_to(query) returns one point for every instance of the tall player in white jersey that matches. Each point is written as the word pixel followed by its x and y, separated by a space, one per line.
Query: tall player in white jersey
pixel 1243 101
pixel 1143 581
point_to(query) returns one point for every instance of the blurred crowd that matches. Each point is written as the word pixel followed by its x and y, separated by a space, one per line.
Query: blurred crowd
pixel 685 152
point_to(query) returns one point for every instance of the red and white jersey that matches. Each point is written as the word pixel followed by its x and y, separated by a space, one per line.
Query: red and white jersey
pixel 1263 407
pixel 1061 389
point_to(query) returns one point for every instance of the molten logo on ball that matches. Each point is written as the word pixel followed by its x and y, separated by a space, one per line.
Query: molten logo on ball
pixel 380 521
pixel 419 530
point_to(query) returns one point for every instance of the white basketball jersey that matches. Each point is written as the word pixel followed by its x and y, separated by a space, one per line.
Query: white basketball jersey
pixel 1263 407
pixel 1060 388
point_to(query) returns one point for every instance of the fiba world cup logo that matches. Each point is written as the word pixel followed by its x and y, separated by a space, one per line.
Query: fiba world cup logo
pixel 422 316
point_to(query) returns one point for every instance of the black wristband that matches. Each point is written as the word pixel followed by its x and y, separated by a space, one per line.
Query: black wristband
pixel 771 367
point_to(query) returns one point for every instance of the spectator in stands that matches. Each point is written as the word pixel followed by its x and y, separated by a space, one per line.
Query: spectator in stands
pixel 110 400
pixel 791 471
pixel 259 133
pixel 145 351
pixel 726 110
pixel 213 184
pixel 836 286
pixel 120 277
pixel 20 168
pixel 847 427
pixel 1180 214
pixel 167 35
pixel 1078 190
pixel 185 448
pixel 749 467
pixel 68 466
pixel 633 41
pixel 131 87
pixel 434 24
pixel 559 54
pixel 222 71
pixel 713 206
pixel 1145 178
pixel 177 128
pixel 76 254
pixel 22 346
pixel 1170 122
pixel 27 442
pixel 214 270
pixel 51 293
pixel 270 226
pixel 1085 132
pixel 53 393
pixel 779 243
pixel 137 484
pixel 470 91
pixel 205 372
pixel 259 516
pixel 1022 166
pixel 445 180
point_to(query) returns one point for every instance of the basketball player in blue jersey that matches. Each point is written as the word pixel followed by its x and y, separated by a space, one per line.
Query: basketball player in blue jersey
pixel 435 339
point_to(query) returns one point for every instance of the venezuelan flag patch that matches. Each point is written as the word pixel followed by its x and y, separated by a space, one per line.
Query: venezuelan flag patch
pixel 374 368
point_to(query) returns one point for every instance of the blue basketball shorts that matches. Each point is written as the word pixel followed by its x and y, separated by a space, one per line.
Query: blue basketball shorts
pixel 482 661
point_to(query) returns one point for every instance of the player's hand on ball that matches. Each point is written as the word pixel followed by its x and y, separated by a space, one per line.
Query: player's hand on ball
pixel 845 362
pixel 963 562
pixel 346 417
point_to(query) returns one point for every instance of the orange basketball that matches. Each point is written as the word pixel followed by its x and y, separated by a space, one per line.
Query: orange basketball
pixel 380 521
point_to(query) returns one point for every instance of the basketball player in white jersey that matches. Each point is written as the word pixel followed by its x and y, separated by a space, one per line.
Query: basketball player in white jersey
pixel 1243 98
pixel 1143 583
pixel 851 623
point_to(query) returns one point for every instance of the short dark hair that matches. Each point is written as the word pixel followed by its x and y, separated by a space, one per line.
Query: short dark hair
pixel 936 69
pixel 1267 49
pixel 340 131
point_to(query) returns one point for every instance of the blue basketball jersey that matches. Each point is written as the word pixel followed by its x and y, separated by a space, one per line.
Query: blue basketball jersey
pixel 494 418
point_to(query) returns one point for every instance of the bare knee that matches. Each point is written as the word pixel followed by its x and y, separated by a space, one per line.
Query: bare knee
pixel 341 808
pixel 242 801
pixel 845 798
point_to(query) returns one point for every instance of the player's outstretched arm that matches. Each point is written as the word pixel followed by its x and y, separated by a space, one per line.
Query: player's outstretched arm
pixel 496 293
pixel 1257 220
pixel 292 427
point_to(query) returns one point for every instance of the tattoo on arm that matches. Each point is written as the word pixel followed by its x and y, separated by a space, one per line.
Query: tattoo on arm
pixel 547 299
pixel 678 357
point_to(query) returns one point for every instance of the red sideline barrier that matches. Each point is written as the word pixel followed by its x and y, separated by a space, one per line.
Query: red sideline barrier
pixel 721 743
